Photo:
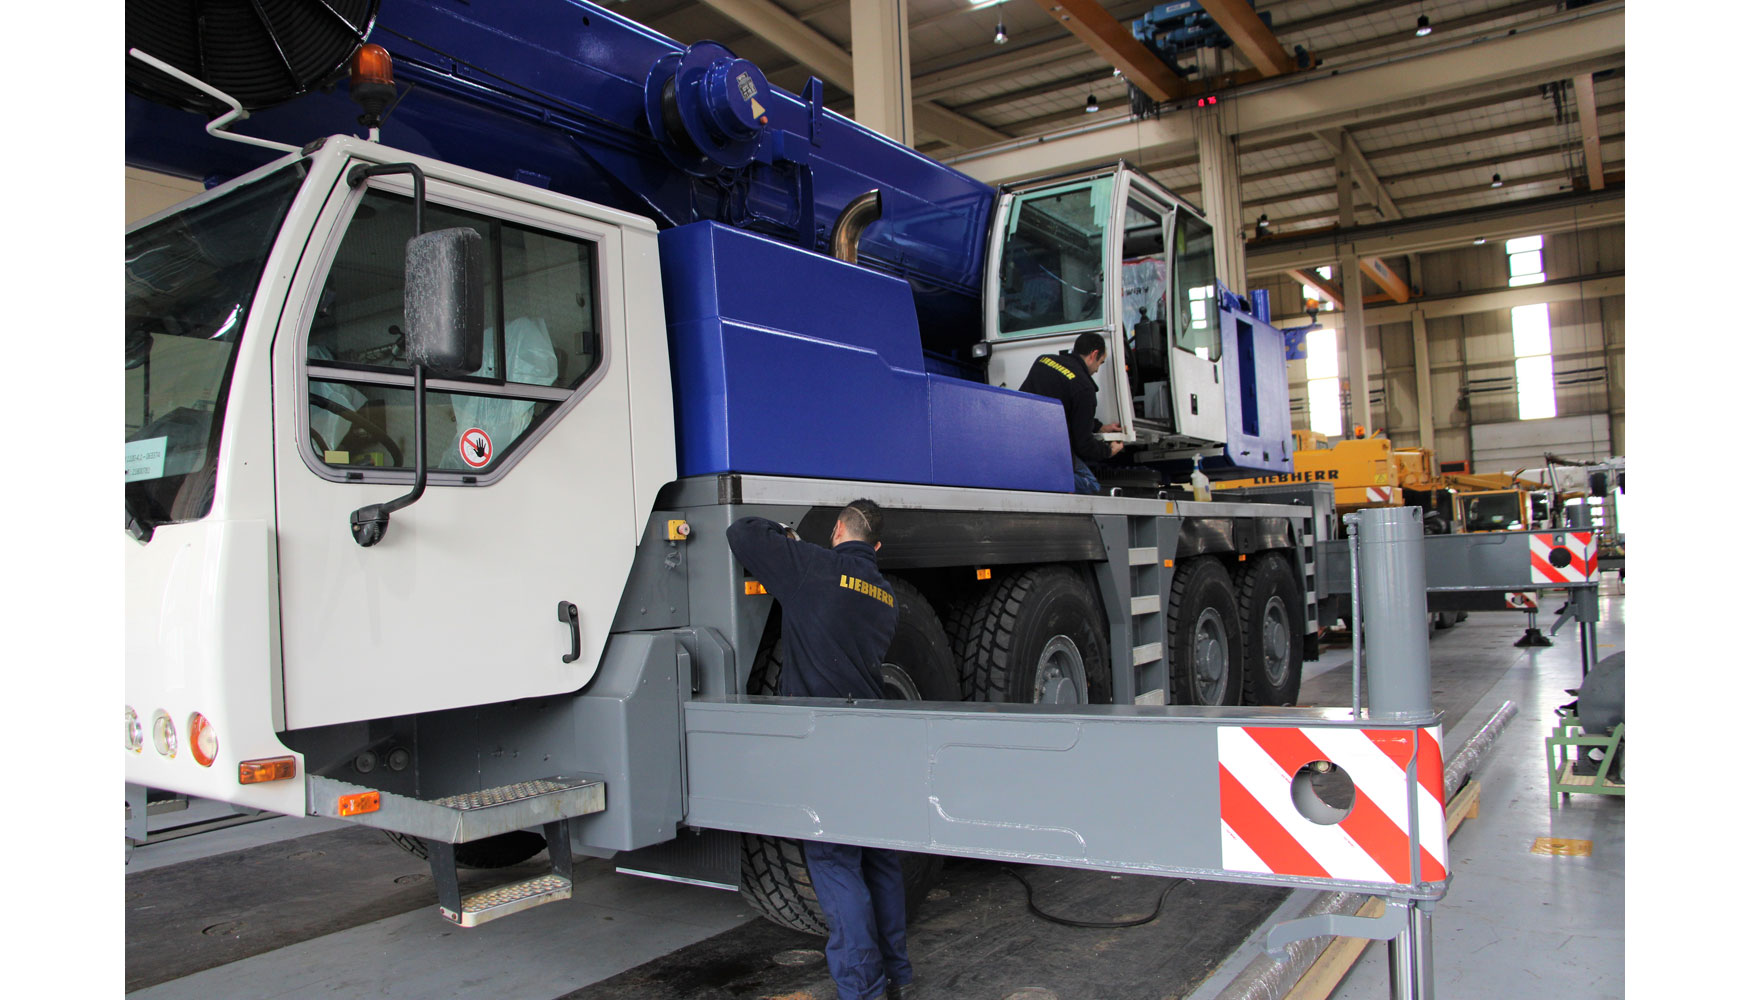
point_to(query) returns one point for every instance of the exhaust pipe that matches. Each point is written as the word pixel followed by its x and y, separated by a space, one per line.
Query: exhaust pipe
pixel 848 229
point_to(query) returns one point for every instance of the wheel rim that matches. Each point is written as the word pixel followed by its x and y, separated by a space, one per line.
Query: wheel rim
pixel 1209 657
pixel 896 683
pixel 1060 678
pixel 1275 641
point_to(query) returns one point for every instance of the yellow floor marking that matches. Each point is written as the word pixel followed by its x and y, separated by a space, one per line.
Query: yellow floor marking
pixel 1562 847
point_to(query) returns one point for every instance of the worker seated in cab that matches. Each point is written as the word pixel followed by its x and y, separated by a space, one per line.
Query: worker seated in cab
pixel 1068 377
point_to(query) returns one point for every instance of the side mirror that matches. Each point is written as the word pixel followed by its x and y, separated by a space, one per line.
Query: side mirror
pixel 445 302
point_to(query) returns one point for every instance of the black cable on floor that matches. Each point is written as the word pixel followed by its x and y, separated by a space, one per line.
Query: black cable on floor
pixel 1092 924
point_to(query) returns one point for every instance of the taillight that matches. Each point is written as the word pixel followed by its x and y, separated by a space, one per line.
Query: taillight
pixel 203 740
pixel 164 733
pixel 133 734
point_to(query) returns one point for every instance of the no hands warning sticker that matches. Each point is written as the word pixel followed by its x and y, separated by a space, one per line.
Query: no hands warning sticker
pixel 476 448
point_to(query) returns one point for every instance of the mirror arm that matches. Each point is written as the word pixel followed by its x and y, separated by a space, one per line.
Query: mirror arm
pixel 371 522
pixel 361 173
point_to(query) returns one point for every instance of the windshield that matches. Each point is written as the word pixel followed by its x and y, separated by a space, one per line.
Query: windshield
pixel 1492 512
pixel 190 280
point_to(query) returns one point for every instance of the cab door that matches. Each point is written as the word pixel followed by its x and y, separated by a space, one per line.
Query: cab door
pixel 1199 402
pixel 530 499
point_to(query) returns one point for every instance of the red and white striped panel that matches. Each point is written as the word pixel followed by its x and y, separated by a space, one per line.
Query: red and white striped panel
pixel 1262 831
pixel 1379 494
pixel 1574 559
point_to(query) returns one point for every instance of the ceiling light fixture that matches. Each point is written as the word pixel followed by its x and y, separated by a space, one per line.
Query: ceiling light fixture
pixel 1263 228
pixel 1092 105
pixel 1423 28
pixel 1001 36
pixel 1496 181
pixel 1479 241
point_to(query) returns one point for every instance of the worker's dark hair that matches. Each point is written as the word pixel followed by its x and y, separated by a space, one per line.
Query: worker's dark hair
pixel 862 521
pixel 1087 343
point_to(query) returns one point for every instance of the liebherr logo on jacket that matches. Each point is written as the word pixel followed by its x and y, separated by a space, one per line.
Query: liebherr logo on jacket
pixel 1065 372
pixel 867 588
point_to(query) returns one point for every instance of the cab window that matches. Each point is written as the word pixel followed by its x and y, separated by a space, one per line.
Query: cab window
pixel 1194 323
pixel 1053 263
pixel 542 341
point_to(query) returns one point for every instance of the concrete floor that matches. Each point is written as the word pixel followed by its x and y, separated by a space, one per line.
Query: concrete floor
pixel 1514 924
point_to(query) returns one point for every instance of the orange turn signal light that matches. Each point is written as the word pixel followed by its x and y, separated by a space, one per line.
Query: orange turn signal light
pixel 984 573
pixel 753 587
pixel 359 803
pixel 371 64
pixel 254 772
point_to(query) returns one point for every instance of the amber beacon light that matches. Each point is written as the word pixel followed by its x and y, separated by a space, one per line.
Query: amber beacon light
pixel 372 83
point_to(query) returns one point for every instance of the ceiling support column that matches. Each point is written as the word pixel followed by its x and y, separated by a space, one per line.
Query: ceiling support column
pixel 1218 170
pixel 1424 366
pixel 881 67
pixel 1354 327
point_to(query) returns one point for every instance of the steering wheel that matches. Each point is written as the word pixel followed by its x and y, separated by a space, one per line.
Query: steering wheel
pixel 361 424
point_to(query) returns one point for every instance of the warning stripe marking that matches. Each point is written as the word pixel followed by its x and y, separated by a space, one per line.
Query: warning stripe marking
pixel 1382 830
pixel 1262 830
pixel 1583 557
pixel 1333 847
pixel 1271 845
pixel 1541 567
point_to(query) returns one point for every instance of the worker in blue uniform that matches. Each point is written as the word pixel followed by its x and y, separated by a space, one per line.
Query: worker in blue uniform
pixel 1069 378
pixel 839 617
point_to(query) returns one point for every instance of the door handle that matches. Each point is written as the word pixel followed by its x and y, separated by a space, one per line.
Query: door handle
pixel 568 615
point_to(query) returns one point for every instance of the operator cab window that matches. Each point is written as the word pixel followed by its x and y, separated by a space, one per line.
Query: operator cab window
pixel 541 319
pixel 1053 265
pixel 1194 325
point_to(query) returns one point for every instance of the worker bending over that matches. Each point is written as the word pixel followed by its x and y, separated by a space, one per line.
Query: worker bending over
pixel 839 618
pixel 1069 378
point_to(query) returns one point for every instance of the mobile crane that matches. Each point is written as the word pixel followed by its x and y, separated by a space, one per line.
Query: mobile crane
pixel 431 449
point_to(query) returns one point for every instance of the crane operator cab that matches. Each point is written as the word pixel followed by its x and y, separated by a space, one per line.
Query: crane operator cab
pixel 1113 253
pixel 1196 372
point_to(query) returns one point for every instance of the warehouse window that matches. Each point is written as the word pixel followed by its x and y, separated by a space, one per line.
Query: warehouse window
pixel 1525 261
pixel 1533 367
pixel 1532 364
pixel 1323 395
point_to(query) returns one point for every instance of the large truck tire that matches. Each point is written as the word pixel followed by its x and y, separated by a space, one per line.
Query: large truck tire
pixel 1273 618
pixel 1203 635
pixel 501 851
pixel 1037 637
pixel 917 665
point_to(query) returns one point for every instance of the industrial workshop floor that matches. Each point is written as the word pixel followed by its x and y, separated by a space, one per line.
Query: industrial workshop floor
pixel 289 908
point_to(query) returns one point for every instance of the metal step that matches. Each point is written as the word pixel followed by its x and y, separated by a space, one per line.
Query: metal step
pixel 1146 653
pixel 1146 556
pixel 505 900
pixel 457 819
pixel 1145 605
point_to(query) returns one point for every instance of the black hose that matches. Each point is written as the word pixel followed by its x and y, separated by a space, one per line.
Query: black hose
pixel 1093 924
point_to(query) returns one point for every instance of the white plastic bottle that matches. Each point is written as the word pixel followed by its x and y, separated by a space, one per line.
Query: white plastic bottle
pixel 1199 481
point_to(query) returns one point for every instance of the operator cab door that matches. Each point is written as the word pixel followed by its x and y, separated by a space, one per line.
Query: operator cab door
pixel 1169 316
pixel 1054 252
pixel 529 499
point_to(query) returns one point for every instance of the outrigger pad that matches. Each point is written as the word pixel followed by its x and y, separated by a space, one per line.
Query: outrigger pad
pixel 1533 637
